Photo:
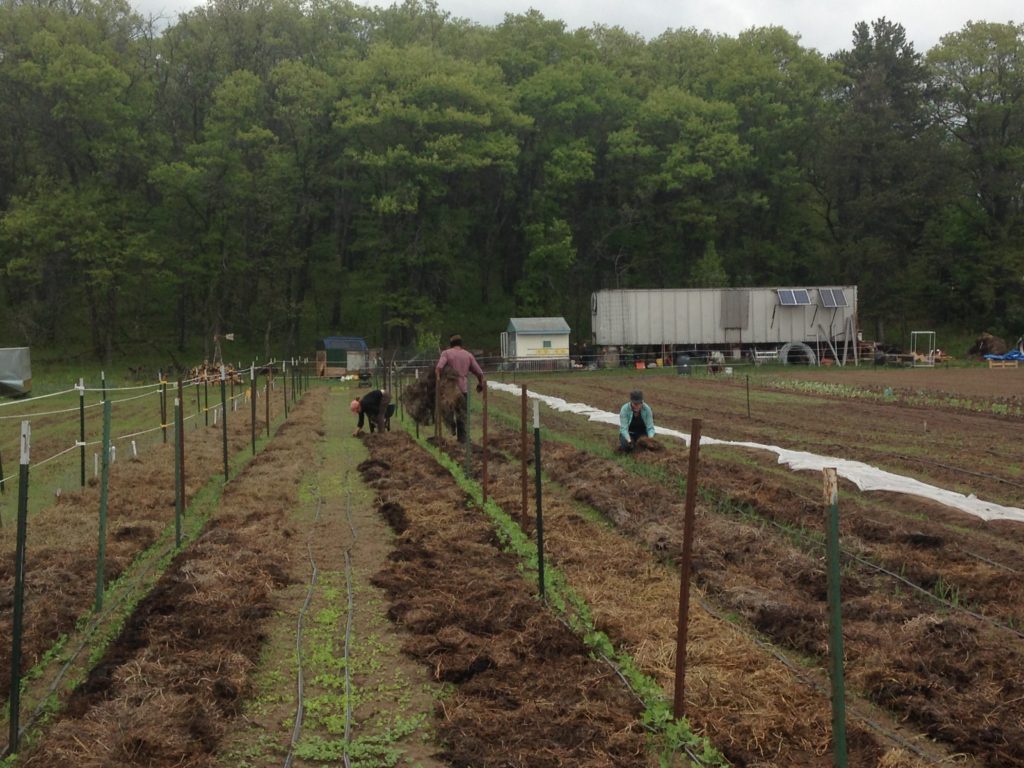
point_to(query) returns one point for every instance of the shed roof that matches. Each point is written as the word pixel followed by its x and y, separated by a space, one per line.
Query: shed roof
pixel 347 343
pixel 538 325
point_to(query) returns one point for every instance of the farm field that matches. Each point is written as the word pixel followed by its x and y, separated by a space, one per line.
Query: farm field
pixel 418 615
pixel 932 622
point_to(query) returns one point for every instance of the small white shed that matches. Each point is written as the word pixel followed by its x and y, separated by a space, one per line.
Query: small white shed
pixel 536 338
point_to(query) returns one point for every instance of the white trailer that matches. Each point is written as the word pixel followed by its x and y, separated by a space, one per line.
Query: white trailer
pixel 15 371
pixel 728 318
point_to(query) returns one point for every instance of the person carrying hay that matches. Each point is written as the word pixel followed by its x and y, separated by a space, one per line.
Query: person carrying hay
pixel 463 363
pixel 376 407
pixel 636 422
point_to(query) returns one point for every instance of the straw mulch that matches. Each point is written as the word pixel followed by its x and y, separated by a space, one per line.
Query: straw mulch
pixel 166 689
pixel 527 693
pixel 758 710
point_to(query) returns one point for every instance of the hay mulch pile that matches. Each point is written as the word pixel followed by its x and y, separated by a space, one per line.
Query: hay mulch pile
pixel 418 398
pixel 166 688
pixel 527 693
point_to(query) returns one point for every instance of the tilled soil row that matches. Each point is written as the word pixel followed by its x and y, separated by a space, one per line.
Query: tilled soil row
pixel 526 691
pixel 60 576
pixel 945 672
pixel 163 693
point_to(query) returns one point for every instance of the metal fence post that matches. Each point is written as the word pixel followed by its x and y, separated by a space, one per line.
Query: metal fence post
pixel 14 696
pixel 101 556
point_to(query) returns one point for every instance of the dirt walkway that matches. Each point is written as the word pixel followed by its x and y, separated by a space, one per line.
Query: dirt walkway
pixel 336 529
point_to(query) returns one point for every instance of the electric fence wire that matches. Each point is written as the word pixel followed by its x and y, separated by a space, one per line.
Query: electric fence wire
pixel 91 443
pixel 300 705
pixel 22 401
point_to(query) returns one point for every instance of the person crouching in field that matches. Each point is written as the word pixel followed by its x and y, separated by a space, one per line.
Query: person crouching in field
pixel 374 406
pixel 636 421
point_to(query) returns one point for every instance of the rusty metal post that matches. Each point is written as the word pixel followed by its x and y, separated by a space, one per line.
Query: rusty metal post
pixel 437 405
pixel 684 578
pixel 484 449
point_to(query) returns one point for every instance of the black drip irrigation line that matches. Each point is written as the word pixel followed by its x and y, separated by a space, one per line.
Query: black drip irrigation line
pixel 300 706
pixel 982 475
pixel 801 674
pixel 902 579
pixel 348 631
pixel 984 559
pixel 348 674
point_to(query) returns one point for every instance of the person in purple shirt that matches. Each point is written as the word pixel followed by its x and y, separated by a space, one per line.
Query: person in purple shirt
pixel 463 363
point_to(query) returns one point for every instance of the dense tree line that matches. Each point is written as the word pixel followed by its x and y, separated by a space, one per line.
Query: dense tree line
pixel 281 169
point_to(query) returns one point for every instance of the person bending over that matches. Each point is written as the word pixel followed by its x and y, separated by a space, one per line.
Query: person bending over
pixel 374 406
pixel 636 420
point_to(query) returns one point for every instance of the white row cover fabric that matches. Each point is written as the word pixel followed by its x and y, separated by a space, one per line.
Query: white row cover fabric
pixel 864 476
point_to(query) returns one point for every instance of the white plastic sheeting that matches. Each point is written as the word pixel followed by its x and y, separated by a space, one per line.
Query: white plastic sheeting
pixel 864 476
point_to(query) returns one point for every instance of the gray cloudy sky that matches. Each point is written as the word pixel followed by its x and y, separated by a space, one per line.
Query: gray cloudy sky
pixel 822 24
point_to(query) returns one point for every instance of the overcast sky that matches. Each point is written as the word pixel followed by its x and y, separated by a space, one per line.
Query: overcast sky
pixel 823 24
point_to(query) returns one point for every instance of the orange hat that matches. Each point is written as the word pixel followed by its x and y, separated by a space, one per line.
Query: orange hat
pixel 354 406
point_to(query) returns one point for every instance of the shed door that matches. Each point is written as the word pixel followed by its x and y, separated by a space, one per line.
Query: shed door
pixel 735 313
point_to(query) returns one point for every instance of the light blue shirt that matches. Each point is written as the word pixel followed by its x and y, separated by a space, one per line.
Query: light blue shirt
pixel 626 416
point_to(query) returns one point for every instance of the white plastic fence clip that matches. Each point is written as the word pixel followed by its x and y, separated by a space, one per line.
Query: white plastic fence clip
pixel 80 444
pixel 113 454
pixel 135 450
pixel 96 465
pixel 80 386
pixel 215 411
pixel 26 441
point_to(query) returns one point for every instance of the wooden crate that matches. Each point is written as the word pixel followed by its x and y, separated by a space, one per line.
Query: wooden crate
pixel 1002 363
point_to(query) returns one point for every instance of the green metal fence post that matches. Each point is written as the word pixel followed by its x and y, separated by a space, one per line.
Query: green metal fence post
pixel 14 696
pixel 179 479
pixel 101 556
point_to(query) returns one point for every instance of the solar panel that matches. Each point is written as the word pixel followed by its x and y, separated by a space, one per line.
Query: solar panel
pixel 832 297
pixel 801 296
pixel 786 298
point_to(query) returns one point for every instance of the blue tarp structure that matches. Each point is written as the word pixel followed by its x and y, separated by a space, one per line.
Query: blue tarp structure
pixel 339 347
pixel 1014 354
